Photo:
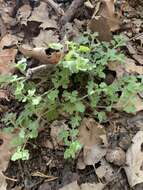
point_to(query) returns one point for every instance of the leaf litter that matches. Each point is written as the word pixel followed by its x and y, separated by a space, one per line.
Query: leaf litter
pixel 100 145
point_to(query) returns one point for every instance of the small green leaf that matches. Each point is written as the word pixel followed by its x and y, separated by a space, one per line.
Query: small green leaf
pixel 36 100
pixel 22 154
pixel 21 65
pixel 56 46
pixel 84 49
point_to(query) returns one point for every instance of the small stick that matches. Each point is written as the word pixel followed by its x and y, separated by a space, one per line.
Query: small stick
pixel 71 11
pixel 37 70
pixel 55 6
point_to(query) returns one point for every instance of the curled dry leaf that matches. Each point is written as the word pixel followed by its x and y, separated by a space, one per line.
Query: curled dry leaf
pixel 41 54
pixel 92 135
pixel 6 150
pixel 134 160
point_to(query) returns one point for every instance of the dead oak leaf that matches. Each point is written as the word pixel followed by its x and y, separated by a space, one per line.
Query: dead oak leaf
pixel 6 150
pixel 44 38
pixel 128 66
pixel 4 94
pixel 134 160
pixel 133 102
pixel 7 60
pixel 92 135
pixel 8 40
pixel 40 13
pixel 23 14
pixel 105 20
pixel 85 186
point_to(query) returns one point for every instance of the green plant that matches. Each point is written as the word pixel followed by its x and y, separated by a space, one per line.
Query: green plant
pixel 77 87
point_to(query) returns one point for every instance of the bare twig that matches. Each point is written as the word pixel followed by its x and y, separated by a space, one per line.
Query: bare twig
pixel 38 71
pixel 71 11
pixel 2 27
pixel 55 6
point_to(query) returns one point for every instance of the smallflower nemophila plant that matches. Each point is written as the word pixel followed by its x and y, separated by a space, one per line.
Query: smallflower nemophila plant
pixel 76 87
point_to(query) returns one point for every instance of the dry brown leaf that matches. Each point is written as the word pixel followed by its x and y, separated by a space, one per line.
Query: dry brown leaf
pixel 85 186
pixel 4 94
pixel 7 60
pixel 23 14
pixel 8 40
pixel 6 13
pixel 105 172
pixel 138 103
pixel 92 186
pixel 40 54
pixel 45 38
pixel 99 24
pixel 71 186
pixel 108 11
pixel 40 13
pixel 56 128
pixel 134 159
pixel 105 20
pixel 6 150
pixel 128 67
pixel 92 135
pixel 116 156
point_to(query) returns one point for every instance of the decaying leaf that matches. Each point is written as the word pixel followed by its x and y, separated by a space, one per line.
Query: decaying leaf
pixel 44 38
pixel 92 186
pixel 105 171
pixel 116 156
pixel 41 54
pixel 56 128
pixel 6 150
pixel 8 40
pixel 85 186
pixel 71 186
pixel 105 20
pixel 40 13
pixel 7 60
pixel 4 94
pixel 23 14
pixel 136 101
pixel 128 66
pixel 92 135
pixel 134 159
pixel 96 25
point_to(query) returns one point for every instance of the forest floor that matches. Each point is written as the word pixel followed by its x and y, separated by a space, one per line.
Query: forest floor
pixel 26 28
